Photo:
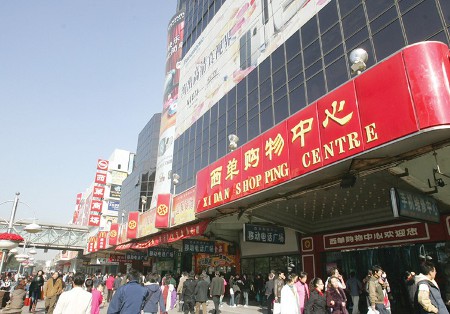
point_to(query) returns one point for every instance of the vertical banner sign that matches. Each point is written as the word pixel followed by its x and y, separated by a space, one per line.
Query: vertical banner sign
pixel 162 211
pixel 133 219
pixel 113 234
pixel 101 240
pixel 100 178
pixel 79 196
pixel 170 105
pixel 92 244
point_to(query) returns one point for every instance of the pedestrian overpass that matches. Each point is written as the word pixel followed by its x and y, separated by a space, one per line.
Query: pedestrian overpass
pixel 52 236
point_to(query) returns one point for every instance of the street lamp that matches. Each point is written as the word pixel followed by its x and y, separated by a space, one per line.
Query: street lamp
pixel 5 246
pixel 175 181
pixel 233 139
pixel 143 201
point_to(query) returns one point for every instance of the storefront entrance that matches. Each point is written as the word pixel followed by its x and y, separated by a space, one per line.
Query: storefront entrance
pixel 395 261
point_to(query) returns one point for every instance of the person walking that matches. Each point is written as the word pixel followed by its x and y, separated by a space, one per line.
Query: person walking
pixel 269 292
pixel 53 290
pixel 278 284
pixel 317 303
pixel 110 287
pixel 354 286
pixel 302 291
pixel 188 294
pixel 17 297
pixel 376 286
pixel 201 295
pixel 75 301
pixel 97 297
pixel 245 288
pixel 183 278
pixel 130 297
pixel 428 298
pixel 154 297
pixel 35 289
pixel 117 282
pixel 336 298
pixel 289 297
pixel 216 289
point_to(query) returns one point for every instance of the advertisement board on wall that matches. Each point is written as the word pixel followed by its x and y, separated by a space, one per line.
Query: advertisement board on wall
pixel 183 208
pixel 170 107
pixel 115 191
pixel 239 37
pixel 117 177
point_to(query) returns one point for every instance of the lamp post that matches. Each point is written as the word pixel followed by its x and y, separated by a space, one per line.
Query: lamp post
pixel 175 181
pixel 31 228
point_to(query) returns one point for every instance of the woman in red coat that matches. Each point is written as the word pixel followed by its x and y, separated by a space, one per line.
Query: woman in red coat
pixel 336 299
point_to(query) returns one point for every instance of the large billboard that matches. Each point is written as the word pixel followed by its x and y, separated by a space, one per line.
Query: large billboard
pixel 239 37
pixel 170 107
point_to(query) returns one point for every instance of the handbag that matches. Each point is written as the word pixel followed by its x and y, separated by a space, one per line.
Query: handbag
pixel 26 302
pixel 276 308
pixel 372 311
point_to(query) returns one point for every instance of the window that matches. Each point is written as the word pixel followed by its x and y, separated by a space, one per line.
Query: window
pixel 388 40
pixel 421 22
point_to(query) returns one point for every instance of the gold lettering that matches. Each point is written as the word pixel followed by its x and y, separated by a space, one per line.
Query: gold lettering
pixel 370 132
pixel 339 142
pixel 316 156
pixel 353 141
pixel 301 129
pixel 305 160
pixel 276 173
pixel 329 152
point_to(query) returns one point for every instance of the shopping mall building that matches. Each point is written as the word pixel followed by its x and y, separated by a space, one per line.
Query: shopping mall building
pixel 284 150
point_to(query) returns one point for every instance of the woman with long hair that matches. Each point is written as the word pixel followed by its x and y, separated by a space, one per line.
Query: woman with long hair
pixel 317 302
pixel 35 289
pixel 336 298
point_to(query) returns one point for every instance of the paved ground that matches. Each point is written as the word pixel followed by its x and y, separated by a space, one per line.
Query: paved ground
pixel 225 309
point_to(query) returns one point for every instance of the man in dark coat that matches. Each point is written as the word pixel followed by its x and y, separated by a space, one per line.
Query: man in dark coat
pixel 216 289
pixel 188 294
pixel 201 294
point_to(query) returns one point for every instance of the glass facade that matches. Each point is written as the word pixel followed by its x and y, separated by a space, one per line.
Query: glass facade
pixel 140 182
pixel 309 64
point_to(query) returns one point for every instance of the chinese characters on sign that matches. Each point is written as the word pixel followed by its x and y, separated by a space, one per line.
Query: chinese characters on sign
pixel 264 234
pixel 198 246
pixel 414 205
pixel 161 252
pixel 401 233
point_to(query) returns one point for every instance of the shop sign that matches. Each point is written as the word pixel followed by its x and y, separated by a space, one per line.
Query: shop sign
pixel 414 205
pixel 102 164
pixel 113 234
pixel 147 223
pixel 132 225
pixel 161 252
pixel 264 234
pixel 101 240
pixel 136 256
pixel 113 205
pixel 162 211
pixel 392 234
pixel 216 260
pixel 117 177
pixel 183 208
pixel 198 246
pixel 115 258
pixel 100 178
pixel 173 235
pixel 115 191
pixel 355 118
pixel 92 244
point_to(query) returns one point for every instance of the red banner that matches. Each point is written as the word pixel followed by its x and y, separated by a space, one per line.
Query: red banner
pixel 99 191
pixel 94 219
pixel 113 234
pixel 173 235
pixel 100 178
pixel 79 197
pixel 392 234
pixel 162 211
pixel 132 225
pixel 347 122
pixel 92 244
pixel 101 240
pixel 96 206
pixel 102 164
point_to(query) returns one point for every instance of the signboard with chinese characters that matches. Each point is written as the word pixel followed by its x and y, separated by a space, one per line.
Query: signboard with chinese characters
pixel 127 258
pixel 198 246
pixel 163 252
pixel 183 208
pixel 113 205
pixel 264 234
pixel 413 205
pixel 391 234
pixel 100 178
pixel 347 122
pixel 117 177
pixel 136 256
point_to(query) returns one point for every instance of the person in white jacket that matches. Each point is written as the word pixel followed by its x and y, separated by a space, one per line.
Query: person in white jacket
pixel 289 296
pixel 75 301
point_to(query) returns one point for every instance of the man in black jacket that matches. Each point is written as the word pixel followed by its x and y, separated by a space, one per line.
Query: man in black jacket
pixel 201 294
pixel 188 294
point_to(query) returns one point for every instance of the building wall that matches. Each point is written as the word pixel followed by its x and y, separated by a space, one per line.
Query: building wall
pixel 308 64
pixel 140 181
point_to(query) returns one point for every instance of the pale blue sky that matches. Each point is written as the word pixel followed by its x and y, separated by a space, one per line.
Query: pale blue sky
pixel 78 78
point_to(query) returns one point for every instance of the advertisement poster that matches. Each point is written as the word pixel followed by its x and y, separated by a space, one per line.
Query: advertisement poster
pixel 183 208
pixel 170 107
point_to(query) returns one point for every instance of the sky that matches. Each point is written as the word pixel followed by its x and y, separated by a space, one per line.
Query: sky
pixel 78 78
